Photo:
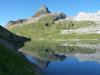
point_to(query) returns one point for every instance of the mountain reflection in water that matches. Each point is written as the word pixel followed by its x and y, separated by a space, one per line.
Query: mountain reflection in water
pixel 71 66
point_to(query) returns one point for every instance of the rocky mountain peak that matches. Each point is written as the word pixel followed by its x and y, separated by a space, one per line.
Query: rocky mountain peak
pixel 43 10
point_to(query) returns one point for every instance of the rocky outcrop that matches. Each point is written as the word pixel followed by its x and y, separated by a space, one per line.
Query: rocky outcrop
pixel 16 22
pixel 43 10
pixel 52 17
pixel 62 16
pixel 11 22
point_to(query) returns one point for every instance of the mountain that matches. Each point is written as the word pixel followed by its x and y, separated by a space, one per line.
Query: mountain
pixel 51 30
pixel 13 62
pixel 42 11
pixel 41 14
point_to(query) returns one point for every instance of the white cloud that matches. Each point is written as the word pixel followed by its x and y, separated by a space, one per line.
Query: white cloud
pixel 81 16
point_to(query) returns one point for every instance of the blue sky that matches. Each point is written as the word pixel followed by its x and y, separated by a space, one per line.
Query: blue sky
pixel 18 9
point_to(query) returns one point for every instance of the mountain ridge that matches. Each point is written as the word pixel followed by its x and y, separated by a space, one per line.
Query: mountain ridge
pixel 42 12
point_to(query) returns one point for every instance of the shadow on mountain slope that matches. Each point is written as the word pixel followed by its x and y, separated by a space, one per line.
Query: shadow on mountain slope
pixel 13 39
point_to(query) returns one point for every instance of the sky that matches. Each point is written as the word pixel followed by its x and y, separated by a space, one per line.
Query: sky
pixel 19 9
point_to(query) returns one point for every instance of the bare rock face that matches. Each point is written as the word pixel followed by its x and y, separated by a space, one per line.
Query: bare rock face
pixel 43 10
pixel 16 22
pixel 11 23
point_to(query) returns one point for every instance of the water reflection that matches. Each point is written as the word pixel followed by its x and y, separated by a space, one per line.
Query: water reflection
pixel 52 58
pixel 68 66
pixel 71 66
pixel 44 63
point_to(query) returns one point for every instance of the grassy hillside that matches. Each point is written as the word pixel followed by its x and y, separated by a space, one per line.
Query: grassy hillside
pixel 52 31
pixel 12 63
pixel 46 34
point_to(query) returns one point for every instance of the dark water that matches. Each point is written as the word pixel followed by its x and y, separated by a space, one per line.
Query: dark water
pixel 71 66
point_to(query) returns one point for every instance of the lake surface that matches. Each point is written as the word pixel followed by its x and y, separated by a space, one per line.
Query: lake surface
pixel 71 66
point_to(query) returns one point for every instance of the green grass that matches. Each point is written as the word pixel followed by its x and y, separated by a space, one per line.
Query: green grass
pixel 81 36
pixel 74 24
pixel 76 49
pixel 12 63
pixel 48 18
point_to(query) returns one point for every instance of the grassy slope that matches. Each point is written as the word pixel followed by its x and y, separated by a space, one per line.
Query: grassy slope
pixel 52 31
pixel 13 63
